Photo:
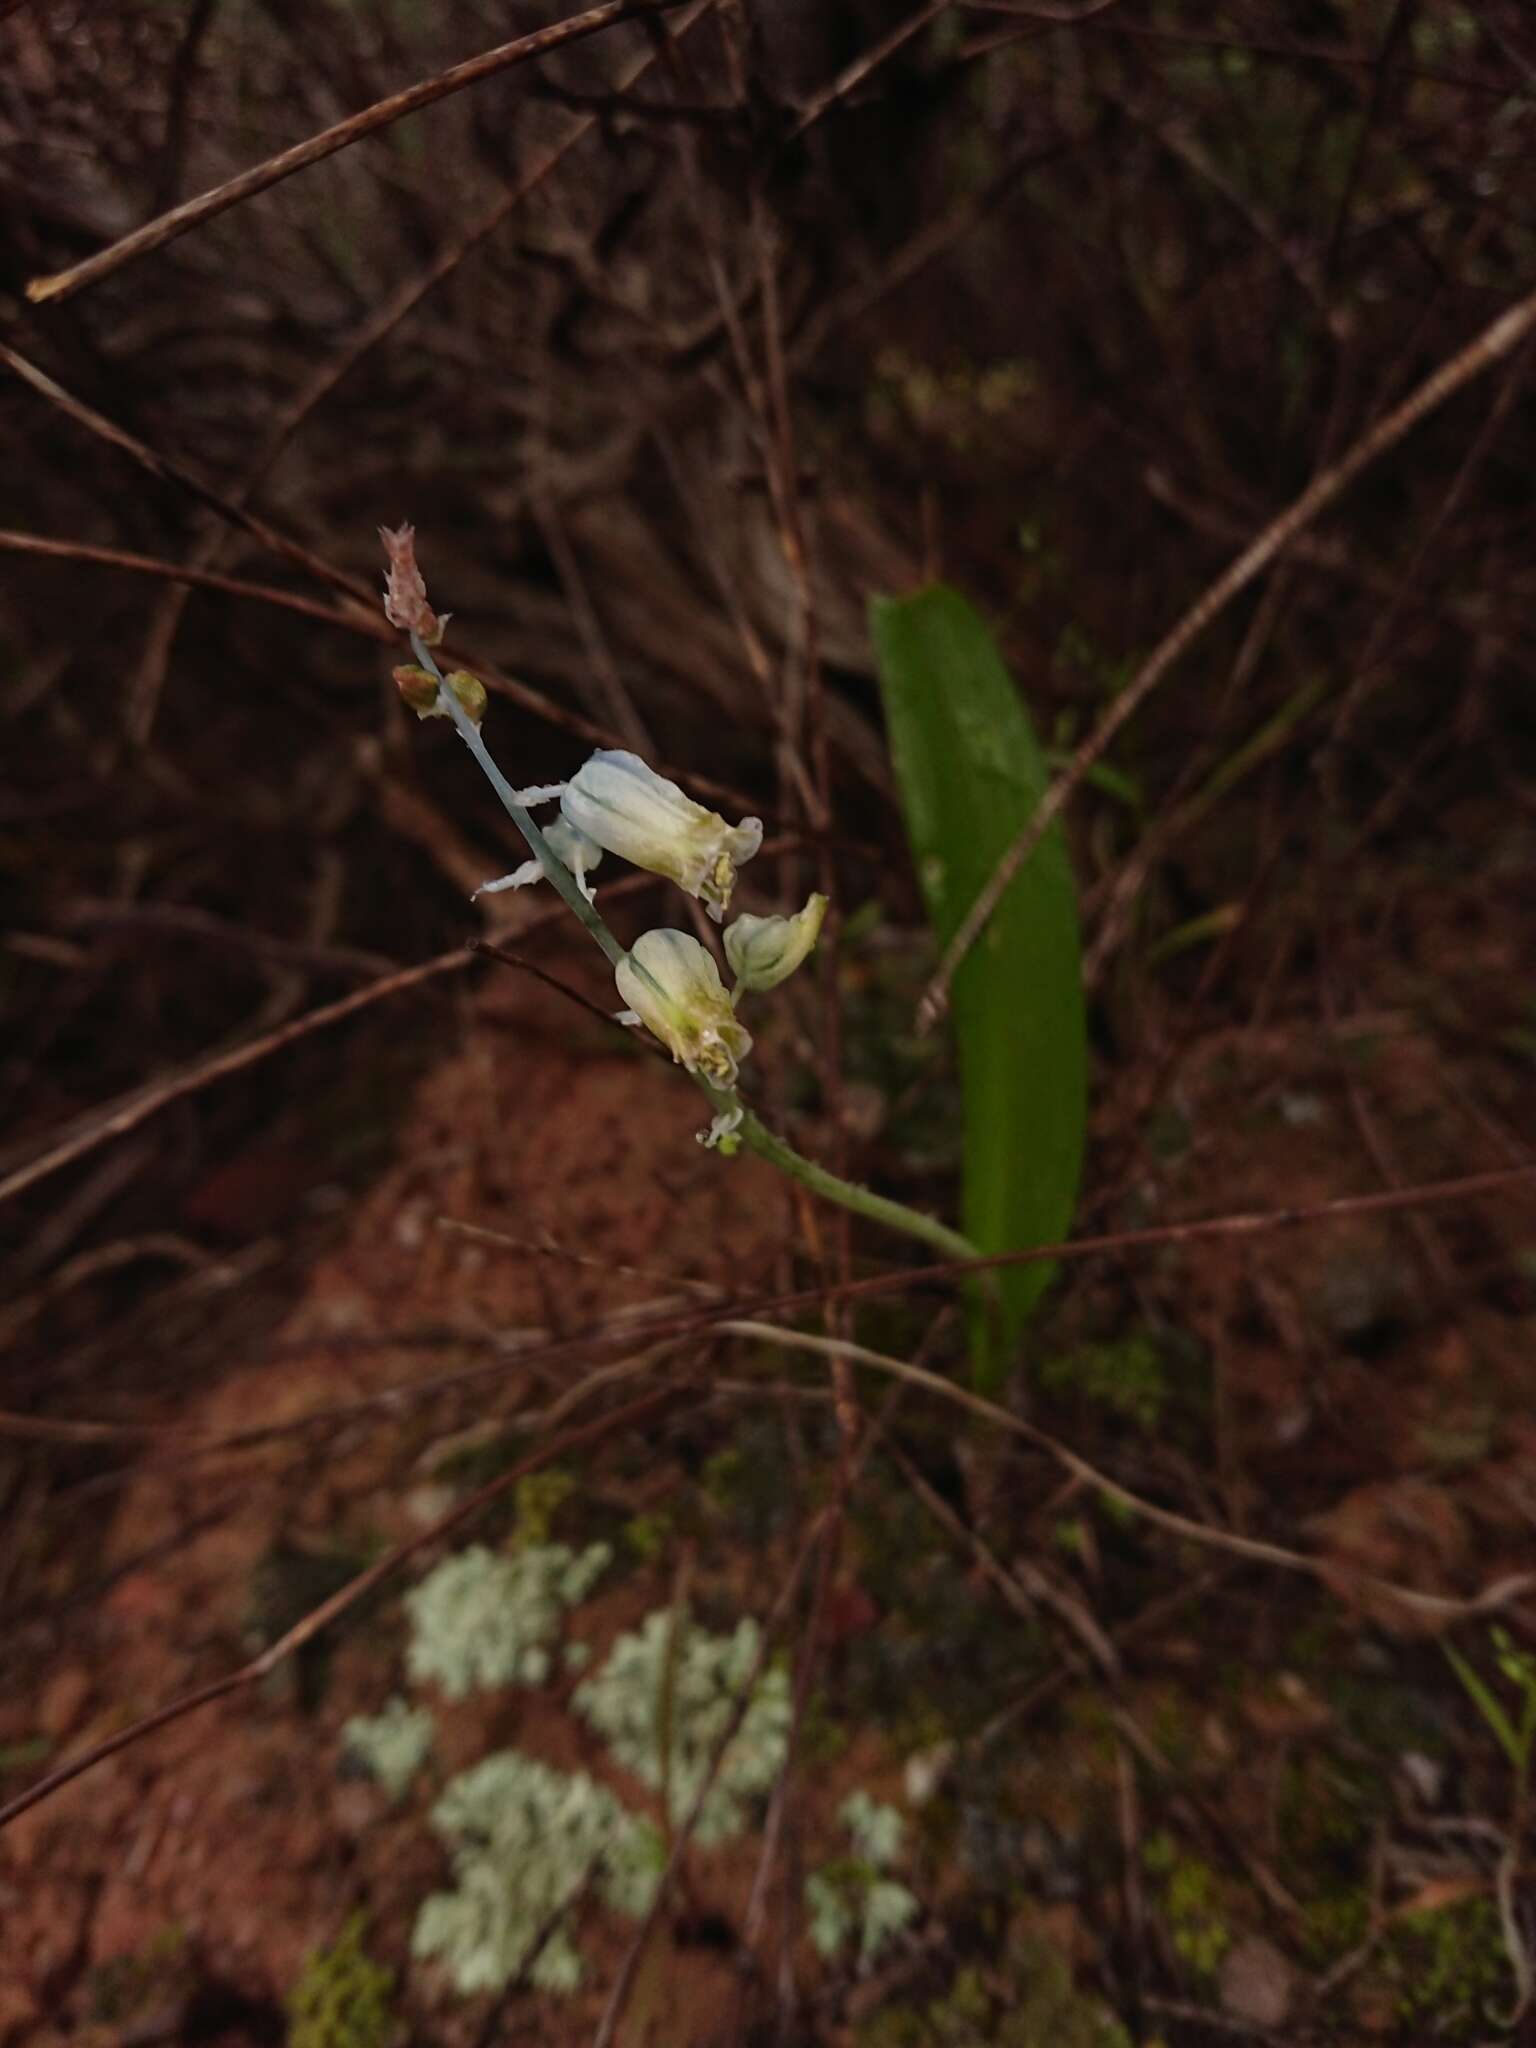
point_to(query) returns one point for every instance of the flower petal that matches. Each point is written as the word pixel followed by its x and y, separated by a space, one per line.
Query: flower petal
pixel 620 803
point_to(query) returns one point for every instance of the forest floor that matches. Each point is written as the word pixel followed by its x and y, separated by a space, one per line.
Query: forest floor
pixel 1186 1693
pixel 1260 1803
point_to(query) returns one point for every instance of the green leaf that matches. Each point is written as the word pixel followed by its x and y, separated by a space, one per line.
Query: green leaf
pixel 1489 1707
pixel 971 772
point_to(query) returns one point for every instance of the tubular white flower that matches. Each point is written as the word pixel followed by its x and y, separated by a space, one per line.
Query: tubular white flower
pixel 672 984
pixel 619 803
pixel 568 845
pixel 763 951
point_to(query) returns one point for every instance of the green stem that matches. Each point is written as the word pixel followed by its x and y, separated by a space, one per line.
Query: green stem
pixel 757 1137
pixel 554 867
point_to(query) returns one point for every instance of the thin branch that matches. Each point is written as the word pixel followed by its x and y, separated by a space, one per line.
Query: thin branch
pixel 185 920
pixel 169 470
pixel 853 74
pixel 382 114
pixel 1490 1600
pixel 595 1340
pixel 149 677
pixel 135 1108
pixel 372 623
pixel 112 1119
pixel 643 1410
pixel 641 1041
pixel 1491 346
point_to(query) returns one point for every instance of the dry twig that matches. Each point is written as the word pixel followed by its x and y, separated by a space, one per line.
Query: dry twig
pixel 193 212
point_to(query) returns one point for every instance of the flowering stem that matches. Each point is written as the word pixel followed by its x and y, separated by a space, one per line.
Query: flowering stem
pixel 554 867
pixel 751 1131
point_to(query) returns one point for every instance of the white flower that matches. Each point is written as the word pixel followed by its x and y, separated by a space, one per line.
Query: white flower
pixel 763 951
pixel 672 984
pixel 723 1126
pixel 619 803
pixel 565 843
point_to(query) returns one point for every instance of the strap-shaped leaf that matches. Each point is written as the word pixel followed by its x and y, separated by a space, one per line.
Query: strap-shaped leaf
pixel 970 773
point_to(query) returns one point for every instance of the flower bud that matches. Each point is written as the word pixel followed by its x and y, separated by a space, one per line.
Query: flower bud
pixel 405 591
pixel 469 690
pixel 763 951
pixel 418 688
pixel 621 804
pixel 672 984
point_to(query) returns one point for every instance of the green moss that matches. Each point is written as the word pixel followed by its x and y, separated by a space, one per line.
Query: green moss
pixel 342 1997
pixel 749 1483
pixel 1028 2000
pixel 1334 1924
pixel 946 1655
pixel 960 400
pixel 1191 1895
pixel 1386 1712
pixel 646 1536
pixel 539 1498
pixel 1325 1815
pixel 1450 1969
pixel 126 1986
pixel 724 1476
pixel 1127 1376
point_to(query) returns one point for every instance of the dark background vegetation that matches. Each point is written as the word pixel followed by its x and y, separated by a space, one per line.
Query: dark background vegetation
pixel 1062 305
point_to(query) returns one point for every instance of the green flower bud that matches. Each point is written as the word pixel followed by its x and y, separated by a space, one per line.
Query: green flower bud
pixel 418 688
pixel 469 690
pixel 763 951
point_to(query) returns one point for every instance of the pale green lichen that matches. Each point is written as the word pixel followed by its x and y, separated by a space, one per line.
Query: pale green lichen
pixel 687 1681
pixel 393 1745
pixel 480 1620
pixel 850 1899
pixel 876 1830
pixel 528 1842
